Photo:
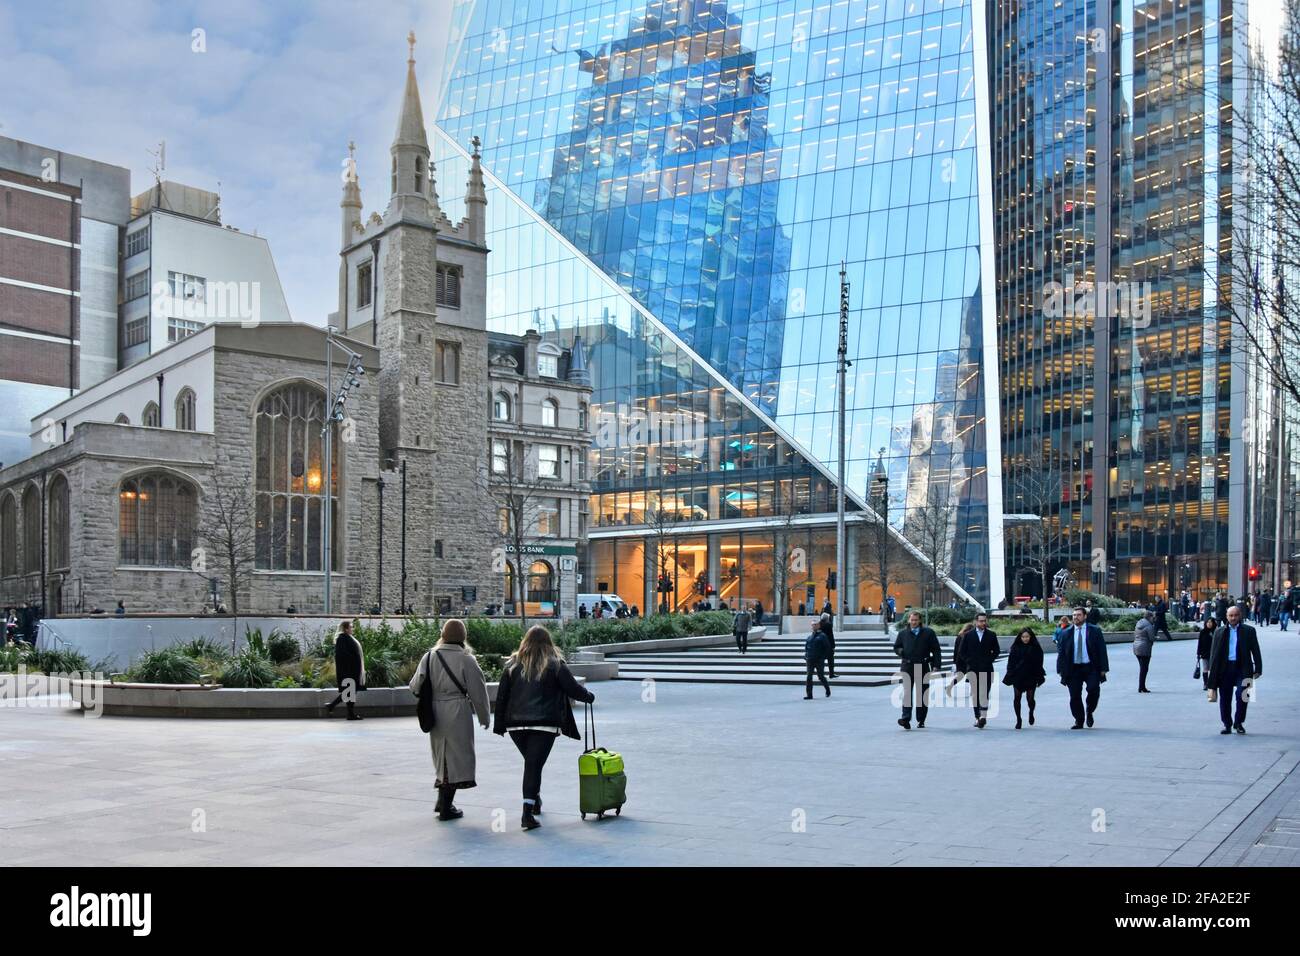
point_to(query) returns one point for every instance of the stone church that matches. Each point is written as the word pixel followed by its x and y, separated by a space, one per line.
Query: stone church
pixel 128 478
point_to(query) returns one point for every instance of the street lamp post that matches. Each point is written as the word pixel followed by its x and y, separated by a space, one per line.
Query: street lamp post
pixel 842 364
pixel 351 379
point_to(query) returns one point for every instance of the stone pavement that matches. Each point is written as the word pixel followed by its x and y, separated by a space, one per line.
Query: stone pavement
pixel 718 774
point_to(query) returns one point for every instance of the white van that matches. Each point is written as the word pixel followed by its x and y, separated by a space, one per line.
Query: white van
pixel 612 602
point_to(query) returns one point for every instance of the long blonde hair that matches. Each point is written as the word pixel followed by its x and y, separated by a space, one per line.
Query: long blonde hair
pixel 536 651
pixel 453 632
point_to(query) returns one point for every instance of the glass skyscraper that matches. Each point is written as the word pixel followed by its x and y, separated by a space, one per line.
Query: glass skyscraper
pixel 678 181
pixel 1118 164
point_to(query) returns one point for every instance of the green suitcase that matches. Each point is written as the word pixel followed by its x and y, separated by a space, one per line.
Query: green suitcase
pixel 602 784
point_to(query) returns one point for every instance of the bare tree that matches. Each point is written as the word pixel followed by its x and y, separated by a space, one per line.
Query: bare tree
pixel 1036 485
pixel 228 534
pixel 520 499
pixel 930 529
pixel 793 561
pixel 660 520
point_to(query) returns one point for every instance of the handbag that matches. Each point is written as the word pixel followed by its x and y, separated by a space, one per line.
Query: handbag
pixel 1196 674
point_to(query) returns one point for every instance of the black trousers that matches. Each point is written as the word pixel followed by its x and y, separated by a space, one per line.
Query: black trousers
pixel 916 688
pixel 1228 682
pixel 535 746
pixel 830 657
pixel 981 685
pixel 1144 663
pixel 820 667
pixel 352 706
pixel 742 642
pixel 1028 694
pixel 1079 676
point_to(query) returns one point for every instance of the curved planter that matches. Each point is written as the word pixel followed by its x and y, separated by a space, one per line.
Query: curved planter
pixel 197 700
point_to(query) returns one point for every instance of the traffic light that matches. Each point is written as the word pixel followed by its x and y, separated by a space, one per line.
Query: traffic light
pixel 1253 573
pixel 830 581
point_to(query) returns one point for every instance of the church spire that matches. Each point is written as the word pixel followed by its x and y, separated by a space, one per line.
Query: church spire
pixel 351 202
pixel 476 197
pixel 410 149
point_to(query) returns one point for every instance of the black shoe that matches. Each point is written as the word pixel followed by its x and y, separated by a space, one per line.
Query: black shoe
pixel 537 806
pixel 828 692
pixel 1076 726
pixel 981 723
pixel 807 696
pixel 904 723
pixel 1017 723
pixel 1031 718
pixel 451 813
pixel 1226 730
pixel 1239 728
pixel 527 821
pixel 1090 720
pixel 920 725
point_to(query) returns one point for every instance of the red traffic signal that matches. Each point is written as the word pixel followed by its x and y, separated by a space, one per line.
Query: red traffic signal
pixel 1254 574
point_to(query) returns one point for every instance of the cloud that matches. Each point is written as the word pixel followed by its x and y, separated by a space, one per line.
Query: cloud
pixel 266 111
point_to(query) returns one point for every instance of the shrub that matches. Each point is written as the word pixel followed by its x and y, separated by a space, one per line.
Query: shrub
pixel 382 669
pixel 167 666
pixel 248 669
pixel 204 648
pixel 1077 597
pixel 62 661
pixel 282 648
pixel 10 657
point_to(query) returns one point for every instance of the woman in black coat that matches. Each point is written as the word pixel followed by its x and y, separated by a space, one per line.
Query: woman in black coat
pixel 533 705
pixel 1025 670
pixel 1204 641
pixel 349 670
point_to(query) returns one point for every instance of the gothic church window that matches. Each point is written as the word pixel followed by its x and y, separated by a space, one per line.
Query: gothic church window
pixel 157 515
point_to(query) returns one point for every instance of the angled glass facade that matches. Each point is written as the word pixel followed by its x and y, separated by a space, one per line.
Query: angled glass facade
pixel 680 181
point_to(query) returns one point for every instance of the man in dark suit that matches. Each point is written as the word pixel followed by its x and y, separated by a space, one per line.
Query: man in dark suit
pixel 1234 659
pixel 1081 660
pixel 974 655
pixel 919 653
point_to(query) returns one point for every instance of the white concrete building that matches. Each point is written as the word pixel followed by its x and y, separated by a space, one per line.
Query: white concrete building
pixel 182 269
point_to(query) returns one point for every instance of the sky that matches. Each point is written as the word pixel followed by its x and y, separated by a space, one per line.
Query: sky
pixel 264 114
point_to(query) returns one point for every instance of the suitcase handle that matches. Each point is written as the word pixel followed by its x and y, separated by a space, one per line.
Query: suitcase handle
pixel 588 716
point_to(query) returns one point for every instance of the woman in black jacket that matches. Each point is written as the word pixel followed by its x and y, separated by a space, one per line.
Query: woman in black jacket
pixel 1204 641
pixel 1025 670
pixel 533 705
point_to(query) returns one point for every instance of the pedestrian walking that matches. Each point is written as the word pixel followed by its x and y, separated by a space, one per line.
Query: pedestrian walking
pixel 460 696
pixel 1025 672
pixel 740 630
pixel 815 651
pixel 974 655
pixel 1081 661
pixel 1161 620
pixel 1144 637
pixel 827 626
pixel 958 675
pixel 349 670
pixel 919 653
pixel 533 706
pixel 1204 643
pixel 1235 665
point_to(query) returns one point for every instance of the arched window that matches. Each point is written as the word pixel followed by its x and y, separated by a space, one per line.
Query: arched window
pixel 541 583
pixel 550 413
pixel 122 420
pixel 185 410
pixel 419 174
pixel 501 407
pixel 151 418
pixel 8 536
pixel 290 480
pixel 32 530
pixel 59 518
pixel 548 360
pixel 157 514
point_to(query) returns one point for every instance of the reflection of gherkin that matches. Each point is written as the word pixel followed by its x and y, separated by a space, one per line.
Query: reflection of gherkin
pixel 668 182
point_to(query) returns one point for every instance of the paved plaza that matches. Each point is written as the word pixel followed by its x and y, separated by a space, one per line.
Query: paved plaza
pixel 718 774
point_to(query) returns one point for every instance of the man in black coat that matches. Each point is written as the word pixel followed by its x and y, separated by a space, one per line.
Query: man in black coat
pixel 1081 660
pixel 919 653
pixel 349 670
pixel 974 655
pixel 1162 619
pixel 1094 614
pixel 1234 659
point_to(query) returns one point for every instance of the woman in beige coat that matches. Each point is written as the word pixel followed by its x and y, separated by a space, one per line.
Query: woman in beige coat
pixel 459 696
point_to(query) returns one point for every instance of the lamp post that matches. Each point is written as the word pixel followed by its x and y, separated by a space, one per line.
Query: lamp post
pixel 842 364
pixel 351 379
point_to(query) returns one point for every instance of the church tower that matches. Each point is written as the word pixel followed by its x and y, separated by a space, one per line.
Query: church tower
pixel 427 314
